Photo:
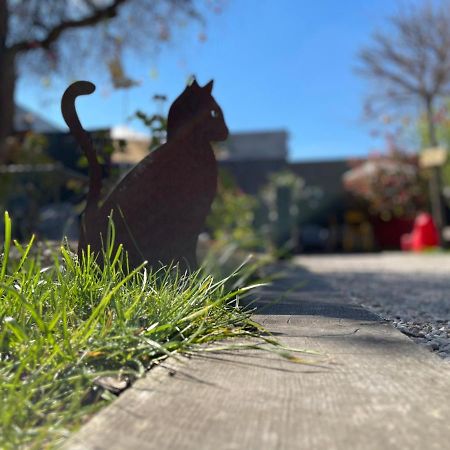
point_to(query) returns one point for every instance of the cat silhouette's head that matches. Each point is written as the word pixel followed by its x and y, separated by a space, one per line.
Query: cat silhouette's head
pixel 196 109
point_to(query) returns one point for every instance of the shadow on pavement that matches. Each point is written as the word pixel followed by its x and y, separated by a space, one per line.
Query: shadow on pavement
pixel 296 291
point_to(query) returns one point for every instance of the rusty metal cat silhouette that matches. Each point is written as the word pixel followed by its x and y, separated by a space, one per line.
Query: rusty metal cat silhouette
pixel 160 206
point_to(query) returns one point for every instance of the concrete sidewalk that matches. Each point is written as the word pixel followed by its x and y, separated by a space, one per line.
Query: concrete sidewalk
pixel 375 390
pixel 410 290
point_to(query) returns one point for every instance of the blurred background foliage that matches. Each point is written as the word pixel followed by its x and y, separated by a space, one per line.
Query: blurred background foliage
pixel 232 217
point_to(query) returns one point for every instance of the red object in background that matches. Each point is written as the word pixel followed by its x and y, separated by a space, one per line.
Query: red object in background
pixel 424 234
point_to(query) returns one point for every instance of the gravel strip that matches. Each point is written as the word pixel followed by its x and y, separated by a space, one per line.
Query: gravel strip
pixel 412 291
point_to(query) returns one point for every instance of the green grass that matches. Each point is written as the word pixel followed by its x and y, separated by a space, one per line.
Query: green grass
pixel 66 327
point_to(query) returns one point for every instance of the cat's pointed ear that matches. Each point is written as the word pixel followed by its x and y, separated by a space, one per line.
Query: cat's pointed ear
pixel 209 87
pixel 192 83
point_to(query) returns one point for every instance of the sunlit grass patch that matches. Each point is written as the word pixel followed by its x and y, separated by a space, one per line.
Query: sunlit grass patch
pixel 75 333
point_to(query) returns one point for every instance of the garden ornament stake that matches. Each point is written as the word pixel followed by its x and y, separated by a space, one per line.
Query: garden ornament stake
pixel 160 207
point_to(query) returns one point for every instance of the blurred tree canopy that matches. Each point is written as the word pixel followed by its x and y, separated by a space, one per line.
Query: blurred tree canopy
pixel 46 36
pixel 409 62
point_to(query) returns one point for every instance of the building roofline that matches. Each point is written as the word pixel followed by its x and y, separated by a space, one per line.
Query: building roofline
pixel 327 160
pixel 53 127
pixel 260 132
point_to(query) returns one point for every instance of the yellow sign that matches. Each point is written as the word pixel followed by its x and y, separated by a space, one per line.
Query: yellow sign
pixel 433 157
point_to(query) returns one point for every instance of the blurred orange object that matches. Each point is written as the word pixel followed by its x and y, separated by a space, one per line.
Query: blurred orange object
pixel 423 236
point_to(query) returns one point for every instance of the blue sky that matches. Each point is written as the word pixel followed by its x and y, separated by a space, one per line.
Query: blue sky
pixel 277 64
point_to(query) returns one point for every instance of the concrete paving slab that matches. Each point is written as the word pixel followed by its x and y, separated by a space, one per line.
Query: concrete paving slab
pixel 410 290
pixel 375 389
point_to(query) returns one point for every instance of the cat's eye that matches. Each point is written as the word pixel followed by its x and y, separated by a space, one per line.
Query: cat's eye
pixel 214 113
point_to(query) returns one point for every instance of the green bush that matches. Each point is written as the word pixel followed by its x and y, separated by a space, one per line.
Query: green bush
pixel 232 217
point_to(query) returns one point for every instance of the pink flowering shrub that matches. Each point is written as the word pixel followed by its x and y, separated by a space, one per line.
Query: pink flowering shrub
pixel 390 184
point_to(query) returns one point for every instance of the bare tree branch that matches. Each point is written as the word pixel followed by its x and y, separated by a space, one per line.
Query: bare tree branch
pixel 411 59
pixel 98 15
pixel 44 38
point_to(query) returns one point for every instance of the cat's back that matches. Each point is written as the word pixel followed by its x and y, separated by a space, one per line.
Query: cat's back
pixel 175 174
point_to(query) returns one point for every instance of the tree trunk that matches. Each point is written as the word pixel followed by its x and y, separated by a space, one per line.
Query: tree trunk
pixel 7 81
pixel 437 204
pixel 430 122
pixel 7 107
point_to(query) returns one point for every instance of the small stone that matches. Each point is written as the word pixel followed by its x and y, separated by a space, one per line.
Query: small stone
pixel 112 384
pixel 432 345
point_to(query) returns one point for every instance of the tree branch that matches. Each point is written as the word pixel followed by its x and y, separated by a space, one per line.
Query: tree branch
pixel 98 15
pixel 377 68
pixel 411 59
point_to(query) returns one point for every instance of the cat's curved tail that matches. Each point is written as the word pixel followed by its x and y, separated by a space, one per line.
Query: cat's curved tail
pixel 70 115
